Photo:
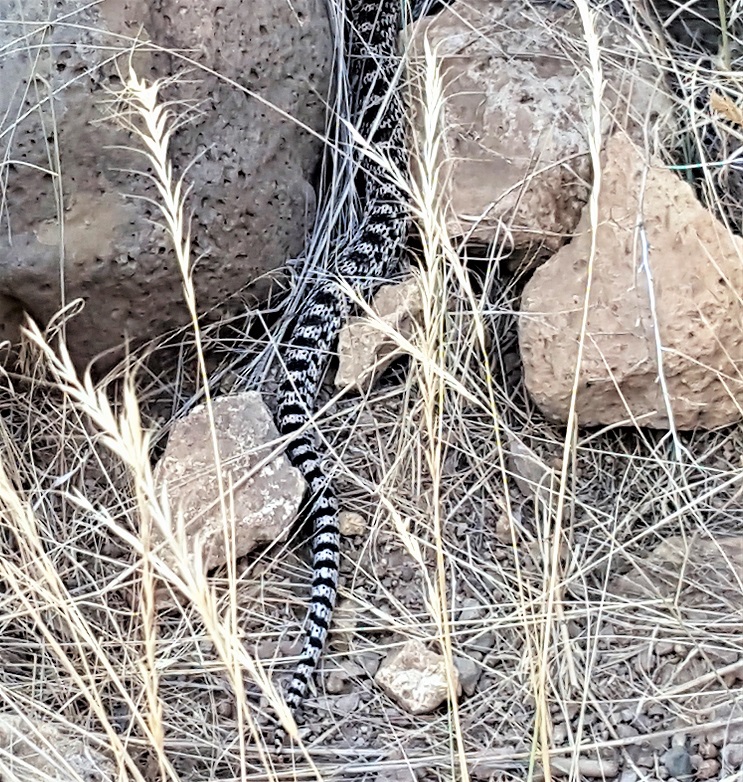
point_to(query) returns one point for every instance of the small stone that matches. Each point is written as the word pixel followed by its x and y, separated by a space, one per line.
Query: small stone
pixel 594 768
pixel 471 611
pixel 644 757
pixel 732 755
pixel 625 731
pixel 364 349
pixel 483 643
pixel 351 523
pixel 469 674
pixel 708 768
pixel 345 620
pixel 531 474
pixel 226 708
pixel 678 763
pixel 369 662
pixel 628 775
pixel 335 683
pixel 346 704
pixel 559 734
pixel 708 750
pixel 260 500
pixel 416 678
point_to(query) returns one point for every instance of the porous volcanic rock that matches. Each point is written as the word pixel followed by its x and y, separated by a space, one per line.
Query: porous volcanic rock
pixel 683 305
pixel 69 227
pixel 516 114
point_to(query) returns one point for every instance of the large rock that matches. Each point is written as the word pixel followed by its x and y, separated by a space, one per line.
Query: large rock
pixel 515 117
pixel 261 497
pixel 687 302
pixel 67 227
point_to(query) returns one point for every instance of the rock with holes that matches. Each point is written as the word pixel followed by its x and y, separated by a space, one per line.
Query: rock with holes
pixel 249 492
pixel 416 678
pixel 516 113
pixel 36 751
pixel 663 300
pixel 366 347
pixel 76 221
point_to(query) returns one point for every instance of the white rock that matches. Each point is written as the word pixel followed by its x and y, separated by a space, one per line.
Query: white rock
pixel 416 678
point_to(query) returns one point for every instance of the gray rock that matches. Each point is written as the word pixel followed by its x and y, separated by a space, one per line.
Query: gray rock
pixel 732 755
pixel 678 763
pixel 471 611
pixel 251 198
pixel 469 674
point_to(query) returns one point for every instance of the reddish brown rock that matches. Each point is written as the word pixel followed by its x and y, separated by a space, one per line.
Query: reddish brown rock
pixel 688 299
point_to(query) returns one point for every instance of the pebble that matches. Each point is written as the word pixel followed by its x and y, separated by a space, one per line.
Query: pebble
pixel 628 775
pixel 732 755
pixel 627 731
pixel 346 704
pixel 678 763
pixel 369 661
pixel 471 610
pixel 708 750
pixel 335 682
pixel 708 769
pixel 351 523
pixel 484 643
pixel 559 734
pixel 595 768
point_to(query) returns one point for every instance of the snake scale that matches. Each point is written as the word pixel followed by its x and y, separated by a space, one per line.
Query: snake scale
pixel 372 255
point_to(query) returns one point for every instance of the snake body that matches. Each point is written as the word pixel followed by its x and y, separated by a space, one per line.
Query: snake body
pixel 371 255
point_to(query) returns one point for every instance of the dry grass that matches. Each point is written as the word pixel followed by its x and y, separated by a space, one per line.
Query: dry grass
pixel 590 645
